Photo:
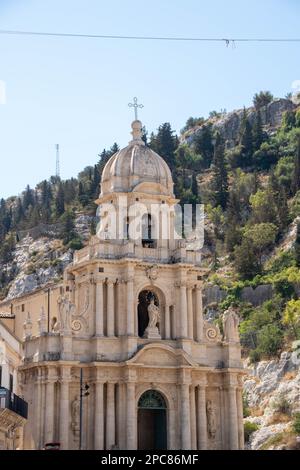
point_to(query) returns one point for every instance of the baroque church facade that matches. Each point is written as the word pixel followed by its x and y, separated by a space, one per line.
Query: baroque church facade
pixel 129 322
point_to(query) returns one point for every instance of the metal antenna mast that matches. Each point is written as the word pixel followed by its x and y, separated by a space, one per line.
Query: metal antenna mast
pixel 57 161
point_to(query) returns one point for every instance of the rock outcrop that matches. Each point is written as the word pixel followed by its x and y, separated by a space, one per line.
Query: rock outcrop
pixel 229 124
pixel 272 391
pixel 36 264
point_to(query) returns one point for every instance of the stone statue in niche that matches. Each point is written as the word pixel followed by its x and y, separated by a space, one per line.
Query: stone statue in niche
pixel 75 411
pixel 211 419
pixel 66 310
pixel 230 325
pixel 154 318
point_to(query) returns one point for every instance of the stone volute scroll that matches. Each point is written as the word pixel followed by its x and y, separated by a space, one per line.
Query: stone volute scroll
pixel 154 319
pixel 231 322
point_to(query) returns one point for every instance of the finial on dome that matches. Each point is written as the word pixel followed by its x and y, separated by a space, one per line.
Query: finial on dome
pixel 137 132
pixel 136 125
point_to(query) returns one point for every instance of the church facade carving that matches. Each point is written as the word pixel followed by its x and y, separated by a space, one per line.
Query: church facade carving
pixel 130 317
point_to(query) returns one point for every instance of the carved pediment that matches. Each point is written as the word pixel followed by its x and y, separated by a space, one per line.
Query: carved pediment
pixel 158 355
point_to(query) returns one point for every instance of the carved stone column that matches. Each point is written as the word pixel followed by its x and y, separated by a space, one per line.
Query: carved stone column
pixel 239 400
pixel 193 418
pixel 99 308
pixel 49 408
pixel 233 419
pixel 201 417
pixel 185 417
pixel 131 417
pixel 199 314
pixel 183 333
pixel 167 322
pixel 39 408
pixel 99 416
pixel 64 413
pixel 190 312
pixel 110 308
pixel 130 306
pixel 110 416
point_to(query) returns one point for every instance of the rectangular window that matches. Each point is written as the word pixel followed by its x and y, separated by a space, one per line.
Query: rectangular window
pixel 101 270
pixel 23 307
pixel 67 288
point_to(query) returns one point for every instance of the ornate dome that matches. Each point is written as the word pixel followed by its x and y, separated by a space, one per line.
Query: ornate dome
pixel 137 168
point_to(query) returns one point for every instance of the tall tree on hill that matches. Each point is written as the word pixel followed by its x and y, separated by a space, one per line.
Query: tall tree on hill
pixel 297 246
pixel 261 99
pixel 165 144
pixel 60 201
pixel 257 131
pixel 220 176
pixel 296 174
pixel 203 145
pixel 246 140
pixel 28 198
pixel 233 221
pixel 46 200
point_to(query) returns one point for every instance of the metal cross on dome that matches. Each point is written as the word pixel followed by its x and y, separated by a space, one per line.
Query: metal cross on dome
pixel 135 105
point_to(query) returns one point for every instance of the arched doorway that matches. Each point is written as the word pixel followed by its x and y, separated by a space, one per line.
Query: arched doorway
pixel 143 318
pixel 152 421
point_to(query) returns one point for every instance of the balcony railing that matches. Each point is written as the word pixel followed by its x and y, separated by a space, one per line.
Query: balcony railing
pixel 12 402
pixel 130 250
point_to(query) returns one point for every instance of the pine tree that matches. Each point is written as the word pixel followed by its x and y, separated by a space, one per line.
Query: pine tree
pixel 28 198
pixel 246 140
pixel 296 174
pixel 297 246
pixel 96 181
pixel 203 145
pixel 165 144
pixel 257 131
pixel 220 177
pixel 68 230
pixel 60 201
pixel 233 221
pixel 46 200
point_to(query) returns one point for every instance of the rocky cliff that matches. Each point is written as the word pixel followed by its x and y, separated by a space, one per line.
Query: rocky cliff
pixel 229 124
pixel 272 393
pixel 40 260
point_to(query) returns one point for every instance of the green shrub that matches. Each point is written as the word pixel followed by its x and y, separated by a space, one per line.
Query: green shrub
pixel 282 405
pixel 249 429
pixel 31 269
pixel 75 244
pixel 270 339
pixel 296 423
pixel 246 410
pixel 254 356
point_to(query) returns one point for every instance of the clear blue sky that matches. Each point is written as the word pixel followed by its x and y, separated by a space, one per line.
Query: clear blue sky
pixel 75 91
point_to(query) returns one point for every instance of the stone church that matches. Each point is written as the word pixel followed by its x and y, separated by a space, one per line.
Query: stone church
pixel 129 321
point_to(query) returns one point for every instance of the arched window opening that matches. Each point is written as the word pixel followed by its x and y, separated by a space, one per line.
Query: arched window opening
pixel 148 231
